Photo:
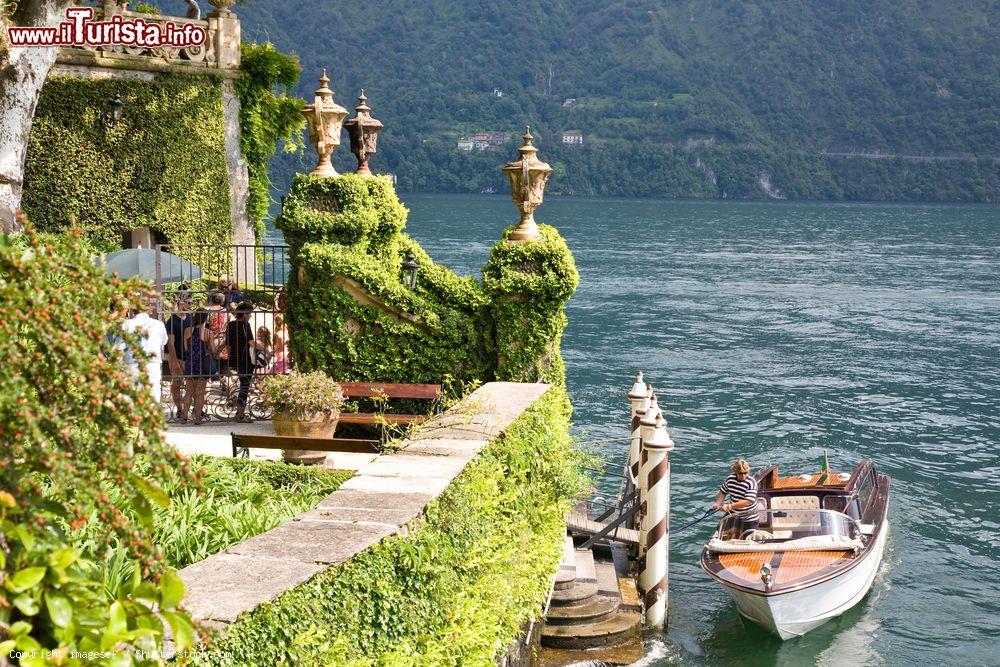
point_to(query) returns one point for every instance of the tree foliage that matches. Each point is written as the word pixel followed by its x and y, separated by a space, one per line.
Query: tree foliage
pixel 766 86
pixel 71 419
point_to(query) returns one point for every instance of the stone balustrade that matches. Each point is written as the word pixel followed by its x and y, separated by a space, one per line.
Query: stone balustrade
pixel 220 54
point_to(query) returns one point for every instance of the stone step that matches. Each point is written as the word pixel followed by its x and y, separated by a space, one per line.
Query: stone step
pixel 584 562
pixel 580 590
pixel 587 611
pixel 607 578
pixel 628 653
pixel 609 631
pixel 567 566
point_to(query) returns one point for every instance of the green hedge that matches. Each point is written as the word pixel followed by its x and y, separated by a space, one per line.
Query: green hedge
pixel 162 165
pixel 457 589
pixel 352 227
pixel 449 330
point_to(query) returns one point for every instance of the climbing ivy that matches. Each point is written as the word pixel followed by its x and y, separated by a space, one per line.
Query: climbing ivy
pixel 353 316
pixel 267 115
pixel 528 284
pixel 350 229
pixel 456 589
pixel 162 165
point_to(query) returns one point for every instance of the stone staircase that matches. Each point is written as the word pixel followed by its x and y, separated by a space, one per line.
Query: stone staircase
pixel 594 613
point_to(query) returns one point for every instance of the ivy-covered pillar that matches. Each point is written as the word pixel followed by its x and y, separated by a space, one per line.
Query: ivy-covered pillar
pixel 529 285
pixel 529 277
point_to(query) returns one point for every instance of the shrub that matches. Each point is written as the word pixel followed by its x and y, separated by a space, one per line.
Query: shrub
pixel 302 394
pixel 71 419
pixel 59 603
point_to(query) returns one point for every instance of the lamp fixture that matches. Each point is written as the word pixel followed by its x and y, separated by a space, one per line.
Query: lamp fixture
pixel 112 112
pixel 410 269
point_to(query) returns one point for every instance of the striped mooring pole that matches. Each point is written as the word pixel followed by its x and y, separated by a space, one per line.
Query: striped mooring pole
pixel 647 425
pixel 656 526
pixel 640 401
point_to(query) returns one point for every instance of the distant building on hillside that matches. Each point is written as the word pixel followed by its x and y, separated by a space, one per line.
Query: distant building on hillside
pixel 483 140
pixel 572 137
pixel 569 101
pixel 497 92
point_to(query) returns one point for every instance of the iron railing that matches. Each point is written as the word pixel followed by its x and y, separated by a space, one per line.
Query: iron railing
pixel 191 279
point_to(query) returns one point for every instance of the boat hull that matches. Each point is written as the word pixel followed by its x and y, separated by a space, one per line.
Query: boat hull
pixel 797 612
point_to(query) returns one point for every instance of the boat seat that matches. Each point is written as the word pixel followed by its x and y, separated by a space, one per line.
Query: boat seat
pixel 783 526
pixel 867 528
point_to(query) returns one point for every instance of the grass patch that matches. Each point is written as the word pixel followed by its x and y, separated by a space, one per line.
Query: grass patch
pixel 241 499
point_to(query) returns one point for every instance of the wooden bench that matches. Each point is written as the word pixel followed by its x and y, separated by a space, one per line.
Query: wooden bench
pixel 339 445
pixel 426 392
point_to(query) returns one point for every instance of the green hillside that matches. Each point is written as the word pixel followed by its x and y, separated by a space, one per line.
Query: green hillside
pixel 701 98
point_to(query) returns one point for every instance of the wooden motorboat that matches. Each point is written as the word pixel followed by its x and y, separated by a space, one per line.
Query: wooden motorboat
pixel 814 554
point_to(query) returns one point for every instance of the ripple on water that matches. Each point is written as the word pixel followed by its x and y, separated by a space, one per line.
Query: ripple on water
pixel 778 332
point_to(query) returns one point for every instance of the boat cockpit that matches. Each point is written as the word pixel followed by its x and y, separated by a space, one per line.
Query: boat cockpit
pixel 820 510
pixel 790 523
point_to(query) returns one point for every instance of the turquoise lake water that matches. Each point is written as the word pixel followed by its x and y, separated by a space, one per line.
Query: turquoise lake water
pixel 774 331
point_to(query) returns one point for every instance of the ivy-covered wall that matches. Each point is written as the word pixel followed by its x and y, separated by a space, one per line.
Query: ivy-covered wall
pixel 456 589
pixel 353 316
pixel 162 165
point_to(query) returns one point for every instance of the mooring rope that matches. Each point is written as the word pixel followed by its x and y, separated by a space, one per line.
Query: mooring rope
pixel 601 442
pixel 708 513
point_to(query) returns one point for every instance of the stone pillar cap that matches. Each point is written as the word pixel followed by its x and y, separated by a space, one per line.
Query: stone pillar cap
pixel 660 440
pixel 638 390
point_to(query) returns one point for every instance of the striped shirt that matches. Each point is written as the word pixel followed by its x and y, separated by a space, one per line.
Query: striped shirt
pixel 741 490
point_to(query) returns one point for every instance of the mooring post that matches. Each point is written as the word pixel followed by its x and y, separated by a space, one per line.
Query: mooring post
pixel 656 526
pixel 639 401
pixel 636 442
pixel 647 426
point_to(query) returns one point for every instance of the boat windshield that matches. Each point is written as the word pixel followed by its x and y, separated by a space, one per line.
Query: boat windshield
pixel 788 524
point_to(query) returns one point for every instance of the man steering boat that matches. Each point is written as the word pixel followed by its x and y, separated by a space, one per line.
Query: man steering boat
pixel 741 488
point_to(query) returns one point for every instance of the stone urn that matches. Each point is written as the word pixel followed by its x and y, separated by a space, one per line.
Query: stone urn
pixel 317 425
pixel 222 6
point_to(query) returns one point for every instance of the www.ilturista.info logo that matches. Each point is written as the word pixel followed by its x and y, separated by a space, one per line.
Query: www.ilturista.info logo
pixel 80 30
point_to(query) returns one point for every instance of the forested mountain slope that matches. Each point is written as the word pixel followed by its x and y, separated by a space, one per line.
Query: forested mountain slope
pixel 705 98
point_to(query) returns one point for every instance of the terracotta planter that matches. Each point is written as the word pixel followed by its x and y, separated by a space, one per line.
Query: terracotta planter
pixel 321 425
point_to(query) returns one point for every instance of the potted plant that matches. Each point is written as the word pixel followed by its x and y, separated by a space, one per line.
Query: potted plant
pixel 305 405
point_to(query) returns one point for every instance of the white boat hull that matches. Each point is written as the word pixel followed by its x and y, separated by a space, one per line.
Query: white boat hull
pixel 795 613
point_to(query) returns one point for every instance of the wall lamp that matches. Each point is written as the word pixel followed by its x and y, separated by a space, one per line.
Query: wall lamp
pixel 112 113
pixel 410 270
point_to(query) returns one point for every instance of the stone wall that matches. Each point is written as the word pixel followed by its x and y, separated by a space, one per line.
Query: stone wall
pixel 219 57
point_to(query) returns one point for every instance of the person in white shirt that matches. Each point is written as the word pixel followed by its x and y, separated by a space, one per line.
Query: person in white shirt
pixel 152 335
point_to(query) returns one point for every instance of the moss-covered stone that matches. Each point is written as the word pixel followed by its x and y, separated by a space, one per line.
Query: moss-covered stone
pixel 529 283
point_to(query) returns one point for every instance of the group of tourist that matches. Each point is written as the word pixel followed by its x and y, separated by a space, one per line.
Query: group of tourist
pixel 205 342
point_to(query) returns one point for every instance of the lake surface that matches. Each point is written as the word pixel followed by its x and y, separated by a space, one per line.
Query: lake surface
pixel 775 332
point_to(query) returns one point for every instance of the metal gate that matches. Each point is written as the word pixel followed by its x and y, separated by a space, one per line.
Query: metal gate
pixel 206 292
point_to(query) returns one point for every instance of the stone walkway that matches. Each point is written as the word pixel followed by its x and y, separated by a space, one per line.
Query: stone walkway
pixel 378 501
